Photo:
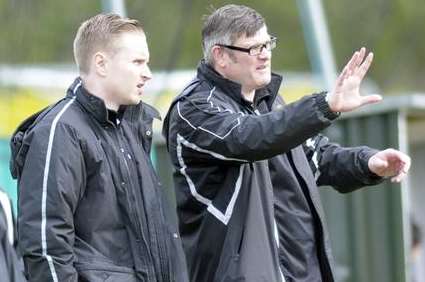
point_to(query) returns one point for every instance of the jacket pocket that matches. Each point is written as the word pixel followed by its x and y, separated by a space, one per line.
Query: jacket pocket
pixel 94 272
pixel 232 272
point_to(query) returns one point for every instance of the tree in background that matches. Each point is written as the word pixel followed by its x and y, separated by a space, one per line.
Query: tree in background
pixel 40 32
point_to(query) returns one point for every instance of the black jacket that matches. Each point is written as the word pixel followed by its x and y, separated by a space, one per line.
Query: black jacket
pixel 90 205
pixel 305 250
pixel 228 155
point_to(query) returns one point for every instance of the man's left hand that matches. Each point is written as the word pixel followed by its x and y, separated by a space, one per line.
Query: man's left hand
pixel 390 163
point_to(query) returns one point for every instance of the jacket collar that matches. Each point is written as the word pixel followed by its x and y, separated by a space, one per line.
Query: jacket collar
pixel 91 103
pixel 142 111
pixel 96 106
pixel 233 89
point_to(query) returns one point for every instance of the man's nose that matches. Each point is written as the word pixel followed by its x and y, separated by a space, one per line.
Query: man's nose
pixel 265 54
pixel 146 73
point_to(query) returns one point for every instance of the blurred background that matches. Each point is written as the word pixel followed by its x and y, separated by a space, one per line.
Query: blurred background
pixel 377 233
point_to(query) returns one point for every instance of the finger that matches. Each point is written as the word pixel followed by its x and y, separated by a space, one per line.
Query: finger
pixel 400 167
pixel 395 180
pixel 354 61
pixel 360 57
pixel 398 178
pixel 400 158
pixel 402 170
pixel 350 67
pixel 364 67
pixel 342 76
pixel 405 159
pixel 370 99
pixel 404 167
pixel 346 72
pixel 362 51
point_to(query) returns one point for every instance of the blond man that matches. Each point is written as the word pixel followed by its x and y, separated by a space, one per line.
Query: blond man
pixel 91 207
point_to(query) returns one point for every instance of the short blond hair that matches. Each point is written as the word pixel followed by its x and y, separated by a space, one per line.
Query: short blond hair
pixel 99 33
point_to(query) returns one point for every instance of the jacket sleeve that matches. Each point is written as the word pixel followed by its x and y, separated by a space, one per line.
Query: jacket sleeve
pixel 344 168
pixel 206 125
pixel 49 189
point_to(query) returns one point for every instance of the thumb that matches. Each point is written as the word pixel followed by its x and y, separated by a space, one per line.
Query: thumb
pixel 377 165
pixel 371 99
pixel 380 163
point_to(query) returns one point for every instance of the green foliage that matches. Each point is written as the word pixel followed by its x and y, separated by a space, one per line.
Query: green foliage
pixel 42 32
pixel 392 29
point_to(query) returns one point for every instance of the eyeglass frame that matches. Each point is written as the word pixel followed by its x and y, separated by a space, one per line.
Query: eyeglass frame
pixel 272 42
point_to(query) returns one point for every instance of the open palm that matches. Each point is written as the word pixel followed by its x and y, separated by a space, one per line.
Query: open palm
pixel 346 94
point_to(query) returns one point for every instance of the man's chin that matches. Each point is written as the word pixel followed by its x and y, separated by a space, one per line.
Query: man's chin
pixel 137 99
pixel 133 102
pixel 264 82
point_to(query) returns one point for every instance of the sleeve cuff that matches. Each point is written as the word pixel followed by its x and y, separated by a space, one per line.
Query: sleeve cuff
pixel 323 106
pixel 364 160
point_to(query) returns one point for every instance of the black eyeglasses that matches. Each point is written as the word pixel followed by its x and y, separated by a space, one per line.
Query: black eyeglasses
pixel 256 49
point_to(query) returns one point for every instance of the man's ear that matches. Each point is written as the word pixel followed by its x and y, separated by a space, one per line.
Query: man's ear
pixel 220 57
pixel 100 62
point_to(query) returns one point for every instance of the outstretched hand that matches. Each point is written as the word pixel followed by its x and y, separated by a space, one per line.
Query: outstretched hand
pixel 390 163
pixel 346 96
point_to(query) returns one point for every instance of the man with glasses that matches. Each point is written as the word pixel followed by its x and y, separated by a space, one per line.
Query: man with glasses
pixel 256 49
pixel 246 195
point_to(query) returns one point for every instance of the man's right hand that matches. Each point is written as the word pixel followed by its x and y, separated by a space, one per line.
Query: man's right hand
pixel 346 96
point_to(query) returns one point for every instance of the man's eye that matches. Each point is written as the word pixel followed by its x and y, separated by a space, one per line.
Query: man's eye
pixel 256 48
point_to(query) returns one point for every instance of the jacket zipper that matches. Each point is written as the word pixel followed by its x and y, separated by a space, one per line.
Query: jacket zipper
pixel 132 198
pixel 159 238
pixel 162 251
pixel 252 109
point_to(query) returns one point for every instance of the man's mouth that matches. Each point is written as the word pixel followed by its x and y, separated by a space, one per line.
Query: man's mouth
pixel 140 88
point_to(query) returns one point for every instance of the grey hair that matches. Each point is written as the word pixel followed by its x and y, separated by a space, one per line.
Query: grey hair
pixel 226 24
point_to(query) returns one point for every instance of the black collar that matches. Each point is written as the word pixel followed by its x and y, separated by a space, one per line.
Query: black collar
pixel 233 89
pixel 96 106
pixel 93 104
